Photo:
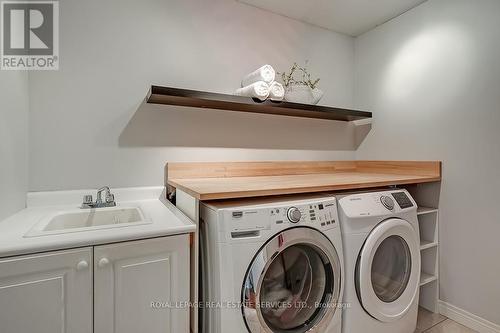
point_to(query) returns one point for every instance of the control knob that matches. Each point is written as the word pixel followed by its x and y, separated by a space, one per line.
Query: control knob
pixel 387 202
pixel 294 214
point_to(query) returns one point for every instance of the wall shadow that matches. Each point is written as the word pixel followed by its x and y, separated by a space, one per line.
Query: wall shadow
pixel 173 126
pixel 361 130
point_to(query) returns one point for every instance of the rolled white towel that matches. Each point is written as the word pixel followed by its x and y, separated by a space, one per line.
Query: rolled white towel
pixel 276 91
pixel 266 73
pixel 258 90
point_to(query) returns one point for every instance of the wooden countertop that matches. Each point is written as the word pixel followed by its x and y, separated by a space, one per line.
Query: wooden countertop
pixel 213 181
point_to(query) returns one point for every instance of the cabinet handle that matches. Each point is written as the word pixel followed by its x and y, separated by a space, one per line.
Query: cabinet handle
pixel 82 265
pixel 103 262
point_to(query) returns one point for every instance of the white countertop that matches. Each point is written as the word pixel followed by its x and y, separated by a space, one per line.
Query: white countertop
pixel 165 219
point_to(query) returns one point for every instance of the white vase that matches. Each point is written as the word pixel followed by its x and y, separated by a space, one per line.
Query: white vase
pixel 317 94
pixel 303 94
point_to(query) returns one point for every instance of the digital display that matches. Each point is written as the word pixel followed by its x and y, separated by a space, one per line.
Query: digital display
pixel 402 200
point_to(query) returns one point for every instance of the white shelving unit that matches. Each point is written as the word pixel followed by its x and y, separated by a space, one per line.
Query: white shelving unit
pixel 427 198
pixel 429 252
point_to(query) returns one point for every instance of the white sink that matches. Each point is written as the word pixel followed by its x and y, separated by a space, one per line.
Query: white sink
pixel 79 220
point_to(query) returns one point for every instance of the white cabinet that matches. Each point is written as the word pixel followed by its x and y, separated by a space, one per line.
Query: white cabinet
pixel 130 287
pixel 47 293
pixel 142 286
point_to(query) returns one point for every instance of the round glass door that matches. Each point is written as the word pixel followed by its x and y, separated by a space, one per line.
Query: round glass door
pixel 292 283
pixel 391 269
pixel 388 270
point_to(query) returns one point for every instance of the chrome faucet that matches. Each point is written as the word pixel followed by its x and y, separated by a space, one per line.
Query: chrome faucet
pixel 109 199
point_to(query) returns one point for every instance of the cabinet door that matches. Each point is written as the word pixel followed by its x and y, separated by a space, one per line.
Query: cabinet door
pixel 142 286
pixel 47 293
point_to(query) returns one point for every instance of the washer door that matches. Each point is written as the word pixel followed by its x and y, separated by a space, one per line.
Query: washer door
pixel 293 283
pixel 388 270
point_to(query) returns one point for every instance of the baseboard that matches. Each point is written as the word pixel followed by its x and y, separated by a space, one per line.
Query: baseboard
pixel 467 319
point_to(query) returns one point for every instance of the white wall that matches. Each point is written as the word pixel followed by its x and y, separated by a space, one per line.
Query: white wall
pixel 89 126
pixel 432 79
pixel 13 141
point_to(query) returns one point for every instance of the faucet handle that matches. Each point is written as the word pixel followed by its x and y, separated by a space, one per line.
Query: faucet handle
pixel 110 198
pixel 87 199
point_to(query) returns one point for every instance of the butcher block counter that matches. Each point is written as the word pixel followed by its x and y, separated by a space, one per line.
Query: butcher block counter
pixel 228 180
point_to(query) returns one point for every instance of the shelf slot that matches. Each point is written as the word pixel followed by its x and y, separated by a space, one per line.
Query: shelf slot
pixel 426 278
pixel 426 210
pixel 428 226
pixel 424 244
pixel 429 294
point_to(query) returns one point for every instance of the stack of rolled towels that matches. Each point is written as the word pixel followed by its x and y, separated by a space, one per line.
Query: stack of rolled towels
pixel 260 84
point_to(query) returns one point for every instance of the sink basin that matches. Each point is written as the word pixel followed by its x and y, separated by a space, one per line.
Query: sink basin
pixel 88 219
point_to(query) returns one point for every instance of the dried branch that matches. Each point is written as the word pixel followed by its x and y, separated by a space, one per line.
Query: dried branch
pixel 289 78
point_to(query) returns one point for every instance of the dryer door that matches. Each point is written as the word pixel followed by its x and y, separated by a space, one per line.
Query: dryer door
pixel 388 270
pixel 293 283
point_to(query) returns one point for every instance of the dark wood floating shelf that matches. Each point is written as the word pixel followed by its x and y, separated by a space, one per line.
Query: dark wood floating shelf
pixel 202 99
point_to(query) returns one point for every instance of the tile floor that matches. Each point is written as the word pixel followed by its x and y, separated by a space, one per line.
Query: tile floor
pixel 429 322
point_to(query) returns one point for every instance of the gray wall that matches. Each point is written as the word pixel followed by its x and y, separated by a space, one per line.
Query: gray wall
pixel 432 79
pixel 89 125
pixel 14 102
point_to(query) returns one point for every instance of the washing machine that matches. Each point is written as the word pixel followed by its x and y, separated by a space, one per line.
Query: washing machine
pixel 382 261
pixel 271 265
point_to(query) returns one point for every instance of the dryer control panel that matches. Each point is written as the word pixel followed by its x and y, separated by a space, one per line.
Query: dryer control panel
pixel 402 199
pixel 377 203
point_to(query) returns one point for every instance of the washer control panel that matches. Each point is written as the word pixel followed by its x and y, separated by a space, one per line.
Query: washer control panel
pixel 249 220
pixel 320 214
